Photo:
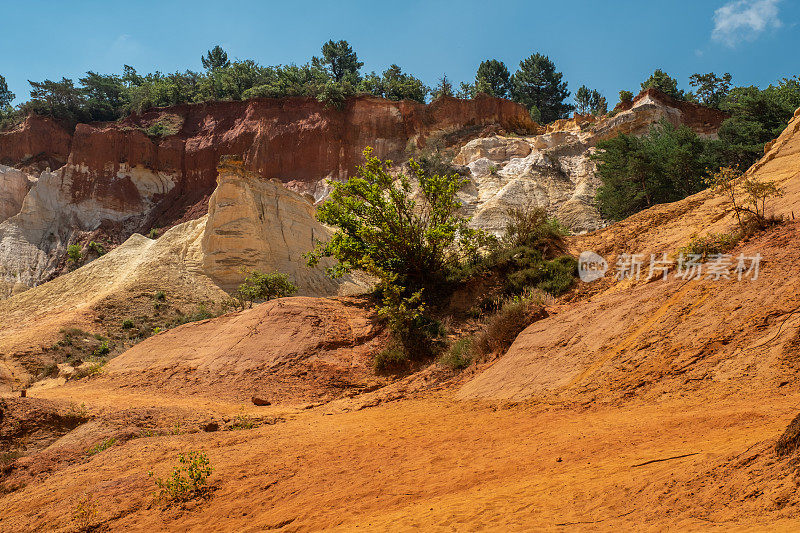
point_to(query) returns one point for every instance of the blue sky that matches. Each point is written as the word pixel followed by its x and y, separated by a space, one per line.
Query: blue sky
pixel 604 44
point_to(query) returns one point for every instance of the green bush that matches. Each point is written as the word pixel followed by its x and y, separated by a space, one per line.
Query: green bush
pixel 503 326
pixel 74 255
pixel 459 356
pixel 258 286
pixel 188 480
pixel 413 245
pixel 665 165
pixel 96 248
pixel 127 323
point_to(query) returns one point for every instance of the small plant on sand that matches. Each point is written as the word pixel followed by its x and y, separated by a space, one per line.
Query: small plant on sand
pixel 188 480
pixel 84 514
pixel 243 421
pixel 96 248
pixel 708 245
pixel 101 446
pixel 127 323
pixel 153 233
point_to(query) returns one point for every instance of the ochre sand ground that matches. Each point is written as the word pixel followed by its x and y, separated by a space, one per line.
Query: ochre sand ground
pixel 436 463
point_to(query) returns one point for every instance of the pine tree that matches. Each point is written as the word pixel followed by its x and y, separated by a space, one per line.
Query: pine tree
pixel 537 84
pixel 339 60
pixel 492 78
pixel 215 58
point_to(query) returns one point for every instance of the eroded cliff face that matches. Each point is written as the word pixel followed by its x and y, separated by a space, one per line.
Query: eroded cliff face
pixel 554 169
pixel 36 143
pixel 118 180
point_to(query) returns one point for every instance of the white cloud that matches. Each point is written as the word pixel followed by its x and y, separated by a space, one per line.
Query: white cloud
pixel 744 20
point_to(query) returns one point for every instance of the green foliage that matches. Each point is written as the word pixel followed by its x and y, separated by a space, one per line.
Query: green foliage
pixel 216 58
pixel 101 446
pixel 493 79
pixel 127 323
pixel 339 61
pixel 466 91
pixel 663 82
pixel 711 89
pixel 382 230
pixel 537 84
pixel 165 126
pixel 393 84
pixel 75 255
pixel 503 326
pixel 625 96
pixel 160 296
pixel 392 359
pixel 529 256
pixel 6 96
pixel 153 233
pixel 459 355
pixel 758 116
pixel 413 246
pixel 665 165
pixel 258 286
pixel 188 480
pixel 96 248
pixel 590 101
pixel 200 313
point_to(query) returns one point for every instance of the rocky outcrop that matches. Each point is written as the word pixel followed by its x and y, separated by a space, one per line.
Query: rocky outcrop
pixel 260 225
pixel 554 169
pixel 14 185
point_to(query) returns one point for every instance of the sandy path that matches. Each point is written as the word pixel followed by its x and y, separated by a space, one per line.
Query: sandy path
pixel 433 463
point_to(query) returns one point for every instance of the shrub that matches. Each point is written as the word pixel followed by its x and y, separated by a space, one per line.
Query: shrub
pixel 160 296
pixel 391 359
pixel 503 327
pixel 74 255
pixel 103 349
pixel 258 286
pixel 201 313
pixel 85 513
pixel 711 244
pixel 96 248
pixel 750 207
pixel 413 245
pixel 153 233
pixel 127 323
pixel 459 355
pixel 165 126
pixel 188 479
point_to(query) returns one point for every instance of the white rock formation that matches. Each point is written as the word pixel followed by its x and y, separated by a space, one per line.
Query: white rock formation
pixel 553 170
